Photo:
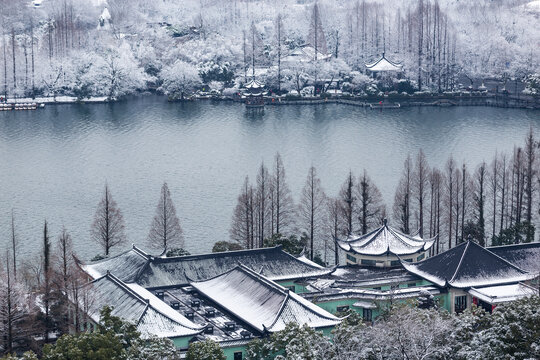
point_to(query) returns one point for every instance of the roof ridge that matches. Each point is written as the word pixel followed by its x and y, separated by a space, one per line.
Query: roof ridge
pixel 123 286
pixel 262 278
pixel 294 295
pixel 218 254
pixel 460 261
pixel 281 308
pixel 514 245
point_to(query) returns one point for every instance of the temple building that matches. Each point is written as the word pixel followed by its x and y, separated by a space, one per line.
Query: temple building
pixel 382 66
pixel 236 296
pixel 472 274
pixel 384 247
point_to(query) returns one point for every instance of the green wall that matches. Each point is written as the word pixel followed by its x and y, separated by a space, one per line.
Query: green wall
pixel 229 351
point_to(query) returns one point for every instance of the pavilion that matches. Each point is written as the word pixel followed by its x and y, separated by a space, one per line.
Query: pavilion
pixel 382 66
pixel 384 247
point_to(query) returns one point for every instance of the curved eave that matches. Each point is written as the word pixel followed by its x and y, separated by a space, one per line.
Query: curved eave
pixel 413 268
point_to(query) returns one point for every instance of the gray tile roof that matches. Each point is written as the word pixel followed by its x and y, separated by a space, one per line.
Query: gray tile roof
pixel 260 302
pixel 138 306
pixel 273 263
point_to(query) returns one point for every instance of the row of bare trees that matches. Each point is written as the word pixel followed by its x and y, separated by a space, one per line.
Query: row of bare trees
pixel 267 209
pixel 492 203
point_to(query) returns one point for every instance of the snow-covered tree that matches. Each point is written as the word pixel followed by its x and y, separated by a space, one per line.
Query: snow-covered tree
pixel 180 78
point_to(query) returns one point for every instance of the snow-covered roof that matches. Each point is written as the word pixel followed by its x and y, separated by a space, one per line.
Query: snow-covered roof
pixel 524 256
pixel 262 303
pixel 124 266
pixel 383 64
pixel 503 293
pixel 273 263
pixel 385 240
pixel 467 265
pixel 254 84
pixel 305 53
pixel 138 306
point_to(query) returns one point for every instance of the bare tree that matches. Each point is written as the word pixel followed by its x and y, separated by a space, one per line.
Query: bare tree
pixel 348 203
pixel 46 290
pixel 311 208
pixel 402 198
pixel 15 308
pixel 165 231
pixel 283 202
pixel 371 210
pixel 421 183
pixel 262 204
pixel 14 244
pixel 479 199
pixel 334 223
pixel 108 226
pixel 530 150
pixel 241 229
pixel 450 190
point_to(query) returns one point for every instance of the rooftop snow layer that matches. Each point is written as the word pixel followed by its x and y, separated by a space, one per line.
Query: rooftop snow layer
pixel 502 293
pixel 138 306
pixel 261 303
pixel 383 64
pixel 124 266
pixel 273 263
pixel 385 240
pixel 467 265
pixel 524 256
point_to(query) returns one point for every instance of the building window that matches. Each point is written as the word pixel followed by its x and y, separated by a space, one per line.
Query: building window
pixel 351 258
pixel 411 284
pixel 292 288
pixel 421 257
pixel 460 303
pixel 395 263
pixel 367 314
pixel 238 355
pixel 368 262
pixel 342 308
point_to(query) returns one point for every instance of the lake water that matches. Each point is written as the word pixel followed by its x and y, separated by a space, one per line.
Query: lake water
pixel 54 162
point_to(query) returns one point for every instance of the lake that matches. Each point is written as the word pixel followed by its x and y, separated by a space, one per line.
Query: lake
pixel 54 162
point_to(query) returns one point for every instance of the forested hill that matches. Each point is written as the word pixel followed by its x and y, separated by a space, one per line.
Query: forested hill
pixel 116 47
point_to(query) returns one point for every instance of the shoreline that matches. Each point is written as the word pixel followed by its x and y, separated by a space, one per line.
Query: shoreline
pixel 388 101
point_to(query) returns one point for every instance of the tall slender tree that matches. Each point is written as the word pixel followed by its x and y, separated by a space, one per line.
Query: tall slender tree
pixel 165 231
pixel 311 208
pixel 108 226
pixel 242 229
pixel 283 202
pixel 371 210
pixel 402 197
pixel 348 203
pixel 421 183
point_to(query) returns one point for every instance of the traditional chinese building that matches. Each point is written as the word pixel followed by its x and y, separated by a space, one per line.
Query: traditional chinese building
pixel 384 247
pixel 254 93
pixel 383 66
pixel 473 274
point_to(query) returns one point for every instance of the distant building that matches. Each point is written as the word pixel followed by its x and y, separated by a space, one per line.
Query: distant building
pixel 254 93
pixel 304 54
pixel 383 66
pixel 384 247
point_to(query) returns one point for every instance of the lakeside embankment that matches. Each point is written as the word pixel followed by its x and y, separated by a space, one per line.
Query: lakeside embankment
pixel 425 99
